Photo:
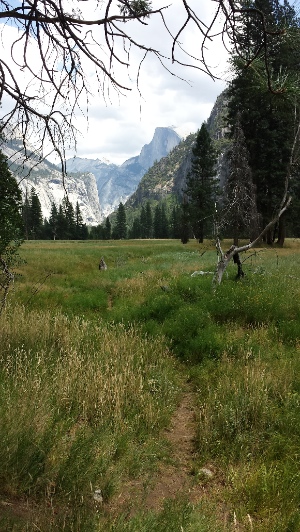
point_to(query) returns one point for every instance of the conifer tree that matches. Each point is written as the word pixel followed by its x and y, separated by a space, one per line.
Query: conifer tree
pixel 143 222
pixel 267 117
pixel 157 226
pixel 26 215
pixel 164 222
pixel 239 203
pixel 185 227
pixel 201 185
pixel 107 232
pixel 135 231
pixel 53 221
pixel 161 222
pixel 11 226
pixel 148 221
pixel 35 215
pixel 81 231
pixel 62 225
pixel 175 222
pixel 121 226
pixel 69 214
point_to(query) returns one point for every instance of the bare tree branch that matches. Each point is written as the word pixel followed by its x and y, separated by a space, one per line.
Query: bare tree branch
pixel 68 38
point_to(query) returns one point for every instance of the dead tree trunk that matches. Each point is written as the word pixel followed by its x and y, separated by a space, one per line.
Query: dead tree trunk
pixel 237 260
pixel 225 258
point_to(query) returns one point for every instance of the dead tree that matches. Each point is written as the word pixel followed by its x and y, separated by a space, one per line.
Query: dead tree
pixel 234 251
pixel 225 258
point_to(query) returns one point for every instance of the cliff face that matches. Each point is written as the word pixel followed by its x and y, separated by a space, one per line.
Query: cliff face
pixel 49 186
pixel 165 176
pixel 81 189
pixel 164 140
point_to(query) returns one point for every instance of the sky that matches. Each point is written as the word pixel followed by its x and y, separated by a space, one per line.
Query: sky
pixel 116 127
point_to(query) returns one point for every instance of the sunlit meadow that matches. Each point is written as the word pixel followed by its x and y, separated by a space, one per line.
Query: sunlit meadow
pixel 93 364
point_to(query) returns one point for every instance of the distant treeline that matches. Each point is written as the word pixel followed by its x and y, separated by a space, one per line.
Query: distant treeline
pixel 66 222
pixel 152 221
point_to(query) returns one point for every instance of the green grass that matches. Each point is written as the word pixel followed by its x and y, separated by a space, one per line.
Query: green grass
pixel 93 363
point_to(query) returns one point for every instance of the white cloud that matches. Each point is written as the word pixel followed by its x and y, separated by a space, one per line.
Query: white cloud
pixel 118 126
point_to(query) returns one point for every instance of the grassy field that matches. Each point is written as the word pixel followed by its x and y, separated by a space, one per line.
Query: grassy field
pixel 94 365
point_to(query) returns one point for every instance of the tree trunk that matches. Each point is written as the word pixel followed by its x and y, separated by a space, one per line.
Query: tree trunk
pixel 281 230
pixel 269 237
pixel 222 265
pixel 236 240
pixel 237 260
pixel 201 233
pixel 224 258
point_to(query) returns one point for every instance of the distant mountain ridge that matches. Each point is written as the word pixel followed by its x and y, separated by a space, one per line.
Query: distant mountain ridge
pixel 97 185
pixel 117 183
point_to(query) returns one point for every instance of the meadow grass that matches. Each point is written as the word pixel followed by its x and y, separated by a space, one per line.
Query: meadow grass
pixel 92 364
pixel 82 406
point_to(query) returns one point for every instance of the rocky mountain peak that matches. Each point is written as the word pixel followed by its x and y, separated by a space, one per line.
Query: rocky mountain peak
pixel 117 183
pixel 164 140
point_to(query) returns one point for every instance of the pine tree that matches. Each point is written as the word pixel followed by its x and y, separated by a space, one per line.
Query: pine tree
pixel 148 221
pixel 121 226
pixel 26 215
pixel 11 227
pixel 35 215
pixel 164 222
pixel 267 118
pixel 135 231
pixel 157 226
pixel 69 214
pixel 175 222
pixel 107 233
pixel 239 202
pixel 53 221
pixel 46 233
pixel 201 185
pixel 185 227
pixel 161 226
pixel 143 222
pixel 81 231
pixel 62 224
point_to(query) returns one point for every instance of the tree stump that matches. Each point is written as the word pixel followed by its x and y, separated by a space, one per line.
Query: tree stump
pixel 102 264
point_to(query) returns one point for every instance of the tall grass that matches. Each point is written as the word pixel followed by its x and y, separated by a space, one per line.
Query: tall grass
pixel 90 375
pixel 81 407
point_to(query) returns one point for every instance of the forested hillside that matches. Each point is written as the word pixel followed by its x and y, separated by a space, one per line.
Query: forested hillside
pixel 168 176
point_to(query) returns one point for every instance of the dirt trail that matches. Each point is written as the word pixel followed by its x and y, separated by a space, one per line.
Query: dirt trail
pixel 172 479
pixel 175 479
